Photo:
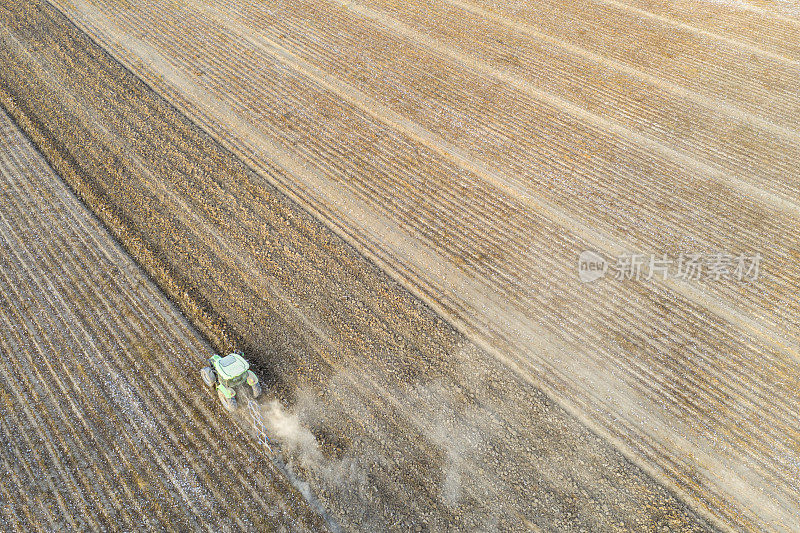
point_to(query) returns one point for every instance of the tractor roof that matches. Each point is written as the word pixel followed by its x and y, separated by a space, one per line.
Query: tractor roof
pixel 232 365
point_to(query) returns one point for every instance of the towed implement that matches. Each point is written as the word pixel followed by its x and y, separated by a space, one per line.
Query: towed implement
pixel 231 376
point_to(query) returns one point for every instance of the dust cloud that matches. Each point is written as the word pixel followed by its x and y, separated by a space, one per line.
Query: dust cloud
pixel 458 430
pixel 301 448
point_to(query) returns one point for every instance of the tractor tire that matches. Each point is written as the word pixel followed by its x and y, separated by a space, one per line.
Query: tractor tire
pixel 209 376
pixel 228 403
pixel 256 390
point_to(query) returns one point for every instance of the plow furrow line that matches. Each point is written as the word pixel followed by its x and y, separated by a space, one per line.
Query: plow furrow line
pixel 712 74
pixel 111 347
pixel 78 390
pixel 47 439
pixel 109 327
pixel 653 369
pixel 231 75
pixel 132 450
pixel 84 281
pixel 67 432
pixel 24 464
pixel 344 91
pixel 759 90
pixel 16 504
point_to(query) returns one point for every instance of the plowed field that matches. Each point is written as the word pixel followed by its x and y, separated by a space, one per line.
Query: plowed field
pixel 384 203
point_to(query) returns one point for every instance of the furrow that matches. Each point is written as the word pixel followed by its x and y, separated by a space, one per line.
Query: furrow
pixel 85 483
pixel 80 390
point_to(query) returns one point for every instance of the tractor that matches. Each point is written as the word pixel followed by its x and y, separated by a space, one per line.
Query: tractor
pixel 229 374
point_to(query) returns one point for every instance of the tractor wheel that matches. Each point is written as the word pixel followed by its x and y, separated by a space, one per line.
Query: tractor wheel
pixel 209 376
pixel 228 403
pixel 256 390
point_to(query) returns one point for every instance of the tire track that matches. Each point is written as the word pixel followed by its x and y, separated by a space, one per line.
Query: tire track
pixel 774 201
pixel 677 90
pixel 678 56
pixel 668 21
pixel 769 28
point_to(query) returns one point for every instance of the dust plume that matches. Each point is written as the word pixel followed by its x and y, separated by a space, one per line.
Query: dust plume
pixel 302 448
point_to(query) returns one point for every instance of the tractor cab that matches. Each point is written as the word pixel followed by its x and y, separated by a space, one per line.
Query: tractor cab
pixel 227 374
pixel 231 369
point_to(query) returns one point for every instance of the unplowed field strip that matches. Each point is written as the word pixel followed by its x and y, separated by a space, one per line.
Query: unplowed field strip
pixel 474 149
pixel 105 425
pixel 418 427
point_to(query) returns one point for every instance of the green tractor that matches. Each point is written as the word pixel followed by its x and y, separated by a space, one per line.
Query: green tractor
pixel 228 374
